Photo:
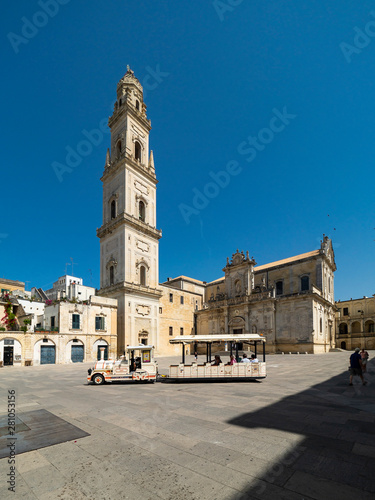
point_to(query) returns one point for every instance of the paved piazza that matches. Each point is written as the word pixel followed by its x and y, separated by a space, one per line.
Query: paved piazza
pixel 302 433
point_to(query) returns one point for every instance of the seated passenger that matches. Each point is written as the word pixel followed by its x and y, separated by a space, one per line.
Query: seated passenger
pixel 217 361
pixel 232 360
pixel 245 359
pixel 254 359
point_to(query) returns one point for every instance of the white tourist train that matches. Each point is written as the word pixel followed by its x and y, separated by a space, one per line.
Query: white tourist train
pixel 138 365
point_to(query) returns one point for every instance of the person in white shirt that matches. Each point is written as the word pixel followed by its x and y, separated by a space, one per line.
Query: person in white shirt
pixel 245 359
pixel 254 359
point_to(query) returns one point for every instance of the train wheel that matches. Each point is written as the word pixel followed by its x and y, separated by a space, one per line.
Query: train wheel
pixel 98 379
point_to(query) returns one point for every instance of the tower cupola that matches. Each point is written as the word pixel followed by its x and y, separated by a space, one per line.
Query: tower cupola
pixel 130 90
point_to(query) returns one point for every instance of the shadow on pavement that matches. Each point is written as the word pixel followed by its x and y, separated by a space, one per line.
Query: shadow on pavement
pixel 336 455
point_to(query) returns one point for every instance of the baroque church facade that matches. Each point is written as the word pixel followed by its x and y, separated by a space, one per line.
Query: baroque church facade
pixel 290 301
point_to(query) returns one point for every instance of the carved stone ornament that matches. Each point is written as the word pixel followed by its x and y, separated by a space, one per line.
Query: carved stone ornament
pixel 111 262
pixel 237 321
pixel 141 262
pixel 141 187
pixel 239 257
pixel 76 310
pixel 143 310
pixel 143 246
pixel 137 133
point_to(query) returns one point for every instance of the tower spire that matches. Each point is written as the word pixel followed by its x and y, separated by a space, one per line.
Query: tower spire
pixel 107 160
pixel 151 164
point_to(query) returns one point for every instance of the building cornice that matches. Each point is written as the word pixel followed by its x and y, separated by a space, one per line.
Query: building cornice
pixel 125 219
pixel 4 281
pixel 127 160
pixel 266 296
pixel 181 290
pixel 133 112
pixel 131 288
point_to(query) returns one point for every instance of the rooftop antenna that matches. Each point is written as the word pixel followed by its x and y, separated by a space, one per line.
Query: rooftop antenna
pixel 71 258
pixel 66 265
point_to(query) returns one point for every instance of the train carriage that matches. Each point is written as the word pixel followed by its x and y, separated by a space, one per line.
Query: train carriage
pixel 195 372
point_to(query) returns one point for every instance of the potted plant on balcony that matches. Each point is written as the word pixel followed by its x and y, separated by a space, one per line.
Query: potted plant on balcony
pixel 26 322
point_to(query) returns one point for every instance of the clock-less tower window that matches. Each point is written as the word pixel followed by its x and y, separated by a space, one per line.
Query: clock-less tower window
pixel 137 151
pixel 113 209
pixel 142 275
pixel 142 211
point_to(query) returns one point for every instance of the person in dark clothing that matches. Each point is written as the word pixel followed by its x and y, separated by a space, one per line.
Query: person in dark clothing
pixel 356 366
pixel 217 361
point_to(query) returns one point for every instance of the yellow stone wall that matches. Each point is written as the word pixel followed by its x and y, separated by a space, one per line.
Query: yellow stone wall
pixel 214 288
pixel 176 315
pixel 11 285
pixel 358 316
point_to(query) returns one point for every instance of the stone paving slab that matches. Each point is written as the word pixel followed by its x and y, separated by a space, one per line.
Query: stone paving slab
pixel 301 434
pixel 38 429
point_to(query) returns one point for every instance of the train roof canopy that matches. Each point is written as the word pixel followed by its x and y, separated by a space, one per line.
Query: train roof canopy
pixel 141 347
pixel 243 337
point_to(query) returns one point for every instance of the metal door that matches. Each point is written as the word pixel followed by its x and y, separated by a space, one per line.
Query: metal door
pixel 47 355
pixel 8 355
pixel 77 353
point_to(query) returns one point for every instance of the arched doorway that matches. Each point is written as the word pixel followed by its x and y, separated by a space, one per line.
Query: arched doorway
pixel 97 349
pixel 11 351
pixel 343 345
pixel 343 328
pixel 369 326
pixel 44 352
pixel 75 351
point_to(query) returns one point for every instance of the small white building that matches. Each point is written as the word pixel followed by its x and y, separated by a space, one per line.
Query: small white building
pixel 69 287
pixel 32 310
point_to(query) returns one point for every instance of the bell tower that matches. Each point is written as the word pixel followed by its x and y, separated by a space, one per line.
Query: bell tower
pixel 129 239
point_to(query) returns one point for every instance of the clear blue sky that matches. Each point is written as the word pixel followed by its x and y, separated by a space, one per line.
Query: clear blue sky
pixel 222 71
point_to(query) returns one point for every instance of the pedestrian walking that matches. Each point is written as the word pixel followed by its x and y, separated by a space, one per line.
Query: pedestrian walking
pixel 364 357
pixel 355 368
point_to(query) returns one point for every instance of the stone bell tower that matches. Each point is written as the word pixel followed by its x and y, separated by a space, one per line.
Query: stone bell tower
pixel 129 240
